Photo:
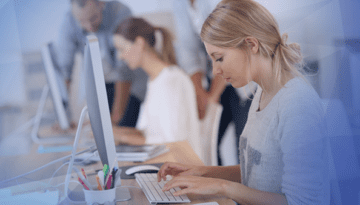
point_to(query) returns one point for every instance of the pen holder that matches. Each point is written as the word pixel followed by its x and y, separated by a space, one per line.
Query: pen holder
pixel 100 197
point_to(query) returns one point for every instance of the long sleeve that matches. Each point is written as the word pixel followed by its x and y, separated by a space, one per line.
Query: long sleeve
pixel 66 45
pixel 304 147
pixel 188 44
pixel 283 148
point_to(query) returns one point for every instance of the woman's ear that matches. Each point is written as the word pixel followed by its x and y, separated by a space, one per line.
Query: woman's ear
pixel 253 44
pixel 140 42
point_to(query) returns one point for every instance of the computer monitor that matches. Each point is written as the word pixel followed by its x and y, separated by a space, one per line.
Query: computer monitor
pixel 99 114
pixel 57 86
pixel 97 103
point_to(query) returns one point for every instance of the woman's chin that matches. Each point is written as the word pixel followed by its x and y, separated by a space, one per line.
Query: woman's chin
pixel 237 85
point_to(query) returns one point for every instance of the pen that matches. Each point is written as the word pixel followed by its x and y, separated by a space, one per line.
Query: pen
pixel 98 182
pixel 105 170
pixel 85 181
pixel 113 177
pixel 101 177
pixel 109 170
pixel 83 172
pixel 108 182
pixel 81 181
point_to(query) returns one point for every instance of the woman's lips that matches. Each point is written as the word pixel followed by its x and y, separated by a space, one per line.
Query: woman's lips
pixel 227 79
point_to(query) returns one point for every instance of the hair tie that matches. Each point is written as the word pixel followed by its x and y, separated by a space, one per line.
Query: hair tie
pixel 158 40
pixel 275 49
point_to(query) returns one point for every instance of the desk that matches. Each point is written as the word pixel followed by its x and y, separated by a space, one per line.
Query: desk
pixel 179 152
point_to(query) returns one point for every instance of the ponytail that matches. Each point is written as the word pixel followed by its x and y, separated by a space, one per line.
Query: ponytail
pixel 287 57
pixel 132 27
pixel 167 52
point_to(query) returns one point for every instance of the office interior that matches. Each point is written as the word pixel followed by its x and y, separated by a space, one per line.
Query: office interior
pixel 328 32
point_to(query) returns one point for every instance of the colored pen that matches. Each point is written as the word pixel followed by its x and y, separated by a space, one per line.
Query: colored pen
pixel 81 181
pixel 108 182
pixel 85 181
pixel 98 182
pixel 109 171
pixel 105 170
pixel 83 172
pixel 101 177
pixel 113 178
pixel 115 170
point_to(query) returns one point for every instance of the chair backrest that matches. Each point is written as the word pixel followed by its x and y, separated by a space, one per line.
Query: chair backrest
pixel 209 128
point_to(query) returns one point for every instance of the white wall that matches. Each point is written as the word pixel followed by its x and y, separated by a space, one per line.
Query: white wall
pixel 139 7
pixel 314 24
pixel 11 76
pixel 26 25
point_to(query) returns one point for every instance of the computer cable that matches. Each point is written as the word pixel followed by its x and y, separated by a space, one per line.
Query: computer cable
pixel 66 163
pixel 47 184
pixel 91 149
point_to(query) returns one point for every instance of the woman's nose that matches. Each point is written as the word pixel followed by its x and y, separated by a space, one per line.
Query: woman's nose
pixel 216 70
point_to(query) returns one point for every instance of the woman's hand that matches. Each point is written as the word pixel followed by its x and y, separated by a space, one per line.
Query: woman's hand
pixel 177 169
pixel 196 185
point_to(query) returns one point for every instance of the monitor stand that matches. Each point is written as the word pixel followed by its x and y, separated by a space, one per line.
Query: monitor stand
pixel 35 124
pixel 122 193
pixel 37 120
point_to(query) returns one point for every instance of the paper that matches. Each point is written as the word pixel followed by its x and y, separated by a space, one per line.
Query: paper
pixel 44 198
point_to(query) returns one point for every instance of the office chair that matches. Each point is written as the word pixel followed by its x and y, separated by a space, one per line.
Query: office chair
pixel 209 128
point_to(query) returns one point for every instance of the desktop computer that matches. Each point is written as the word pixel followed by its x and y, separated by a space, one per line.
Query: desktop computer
pixel 56 86
pixel 98 110
pixel 97 103
pixel 57 89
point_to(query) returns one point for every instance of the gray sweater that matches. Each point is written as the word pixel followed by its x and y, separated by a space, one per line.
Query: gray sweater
pixel 283 149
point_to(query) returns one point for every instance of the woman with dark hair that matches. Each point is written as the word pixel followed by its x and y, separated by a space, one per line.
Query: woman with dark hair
pixel 169 110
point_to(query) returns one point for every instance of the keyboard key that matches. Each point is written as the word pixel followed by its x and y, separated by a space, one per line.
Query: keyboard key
pixel 160 192
pixel 153 189
pixel 183 197
pixel 148 192
pixel 177 198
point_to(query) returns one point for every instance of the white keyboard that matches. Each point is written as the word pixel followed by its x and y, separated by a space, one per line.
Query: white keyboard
pixel 153 189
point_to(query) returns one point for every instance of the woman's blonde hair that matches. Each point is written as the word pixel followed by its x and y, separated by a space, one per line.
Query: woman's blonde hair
pixel 133 27
pixel 232 21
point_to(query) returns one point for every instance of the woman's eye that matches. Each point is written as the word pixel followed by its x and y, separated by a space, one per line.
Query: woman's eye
pixel 219 59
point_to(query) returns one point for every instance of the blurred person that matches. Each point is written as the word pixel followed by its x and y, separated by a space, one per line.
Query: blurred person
pixel 192 57
pixel 169 112
pixel 284 152
pixel 125 88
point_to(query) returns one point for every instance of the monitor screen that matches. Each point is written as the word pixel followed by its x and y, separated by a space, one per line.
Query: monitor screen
pixel 97 103
pixel 57 86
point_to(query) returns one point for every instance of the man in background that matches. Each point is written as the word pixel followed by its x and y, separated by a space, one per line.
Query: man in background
pixel 192 57
pixel 125 88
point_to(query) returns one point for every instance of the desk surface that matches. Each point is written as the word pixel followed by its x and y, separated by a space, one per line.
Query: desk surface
pixel 179 152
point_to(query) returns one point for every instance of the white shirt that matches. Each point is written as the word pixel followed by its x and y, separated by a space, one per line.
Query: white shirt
pixel 169 111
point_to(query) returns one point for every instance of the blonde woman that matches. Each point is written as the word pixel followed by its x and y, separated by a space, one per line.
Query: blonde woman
pixel 283 154
pixel 169 112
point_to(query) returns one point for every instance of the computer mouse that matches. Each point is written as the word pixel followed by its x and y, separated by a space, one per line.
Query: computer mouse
pixel 142 169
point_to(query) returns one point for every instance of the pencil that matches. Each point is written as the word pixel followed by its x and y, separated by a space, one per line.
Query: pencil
pixel 81 181
pixel 98 182
pixel 83 172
